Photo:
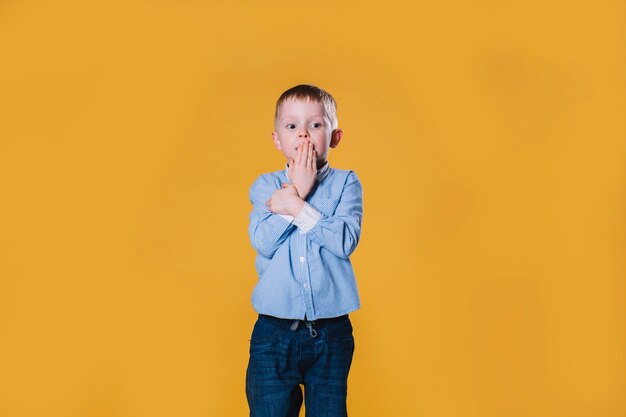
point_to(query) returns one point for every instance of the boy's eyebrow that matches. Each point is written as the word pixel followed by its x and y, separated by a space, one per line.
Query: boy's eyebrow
pixel 294 117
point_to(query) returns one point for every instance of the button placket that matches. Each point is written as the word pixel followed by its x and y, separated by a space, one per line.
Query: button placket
pixel 304 272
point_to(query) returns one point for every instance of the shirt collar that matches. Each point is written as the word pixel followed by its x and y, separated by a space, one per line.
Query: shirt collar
pixel 321 173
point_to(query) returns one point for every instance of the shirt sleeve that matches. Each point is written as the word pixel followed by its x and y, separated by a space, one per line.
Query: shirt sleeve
pixel 340 232
pixel 307 218
pixel 286 217
pixel 267 230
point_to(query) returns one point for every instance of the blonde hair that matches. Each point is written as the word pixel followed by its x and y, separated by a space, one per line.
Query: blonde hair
pixel 310 92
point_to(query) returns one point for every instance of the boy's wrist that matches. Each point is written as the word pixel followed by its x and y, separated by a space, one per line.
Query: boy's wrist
pixel 303 192
pixel 296 206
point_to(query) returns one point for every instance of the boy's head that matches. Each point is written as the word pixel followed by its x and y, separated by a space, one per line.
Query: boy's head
pixel 306 113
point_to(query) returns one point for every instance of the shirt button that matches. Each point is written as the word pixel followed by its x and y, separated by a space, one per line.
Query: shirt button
pixel 302 259
pixel 304 285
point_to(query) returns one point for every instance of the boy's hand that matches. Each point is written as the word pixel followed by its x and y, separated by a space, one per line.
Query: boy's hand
pixel 285 201
pixel 303 170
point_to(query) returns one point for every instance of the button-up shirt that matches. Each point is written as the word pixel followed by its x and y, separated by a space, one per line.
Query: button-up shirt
pixel 303 263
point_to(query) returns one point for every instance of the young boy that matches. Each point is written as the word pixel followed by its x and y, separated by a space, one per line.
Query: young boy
pixel 305 223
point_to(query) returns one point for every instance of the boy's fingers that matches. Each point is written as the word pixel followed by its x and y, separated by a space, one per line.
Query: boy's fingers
pixel 303 157
pixel 305 152
pixel 307 156
pixel 299 154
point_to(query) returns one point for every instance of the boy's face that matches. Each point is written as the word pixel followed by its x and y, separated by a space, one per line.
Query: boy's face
pixel 299 121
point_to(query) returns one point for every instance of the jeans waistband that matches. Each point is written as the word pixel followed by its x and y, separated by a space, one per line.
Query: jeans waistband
pixel 293 324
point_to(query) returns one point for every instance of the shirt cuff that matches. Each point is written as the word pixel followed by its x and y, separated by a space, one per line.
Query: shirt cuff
pixel 307 218
pixel 286 217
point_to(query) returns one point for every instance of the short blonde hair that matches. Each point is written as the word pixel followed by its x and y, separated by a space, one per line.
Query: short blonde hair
pixel 310 92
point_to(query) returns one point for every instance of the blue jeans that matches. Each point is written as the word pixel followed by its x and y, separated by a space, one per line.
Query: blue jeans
pixel 285 353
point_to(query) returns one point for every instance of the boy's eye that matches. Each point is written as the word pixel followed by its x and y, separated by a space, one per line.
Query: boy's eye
pixel 316 124
pixel 291 126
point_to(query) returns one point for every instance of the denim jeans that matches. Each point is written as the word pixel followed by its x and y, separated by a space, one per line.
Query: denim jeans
pixel 285 353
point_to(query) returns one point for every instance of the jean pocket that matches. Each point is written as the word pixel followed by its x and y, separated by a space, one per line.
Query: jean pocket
pixel 340 331
pixel 264 332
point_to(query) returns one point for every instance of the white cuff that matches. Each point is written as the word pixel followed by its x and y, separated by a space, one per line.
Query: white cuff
pixel 286 217
pixel 307 218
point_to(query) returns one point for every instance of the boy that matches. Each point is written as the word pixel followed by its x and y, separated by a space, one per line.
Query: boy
pixel 305 223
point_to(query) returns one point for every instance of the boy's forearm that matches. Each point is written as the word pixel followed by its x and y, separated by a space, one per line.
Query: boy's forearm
pixel 340 231
pixel 339 234
pixel 268 232
pixel 302 191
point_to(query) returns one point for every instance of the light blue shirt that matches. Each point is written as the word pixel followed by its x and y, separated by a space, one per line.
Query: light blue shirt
pixel 303 263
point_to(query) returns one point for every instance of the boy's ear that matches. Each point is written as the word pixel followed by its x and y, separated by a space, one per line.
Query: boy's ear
pixel 276 141
pixel 335 137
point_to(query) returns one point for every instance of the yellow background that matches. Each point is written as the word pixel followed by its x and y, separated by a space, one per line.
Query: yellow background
pixel 489 137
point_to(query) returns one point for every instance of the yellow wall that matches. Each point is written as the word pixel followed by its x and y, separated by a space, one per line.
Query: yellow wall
pixel 489 137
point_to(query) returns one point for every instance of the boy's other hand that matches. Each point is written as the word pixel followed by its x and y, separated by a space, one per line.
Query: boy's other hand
pixel 303 170
pixel 285 201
